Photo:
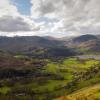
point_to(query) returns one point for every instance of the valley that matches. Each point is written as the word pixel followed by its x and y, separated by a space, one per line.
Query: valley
pixel 49 49
pixel 45 68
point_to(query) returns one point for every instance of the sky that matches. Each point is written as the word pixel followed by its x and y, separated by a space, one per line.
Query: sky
pixel 49 17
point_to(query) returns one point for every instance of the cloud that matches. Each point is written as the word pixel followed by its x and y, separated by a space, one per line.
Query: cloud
pixel 58 8
pixel 6 8
pixel 13 24
pixel 51 17
pixel 75 16
pixel 12 21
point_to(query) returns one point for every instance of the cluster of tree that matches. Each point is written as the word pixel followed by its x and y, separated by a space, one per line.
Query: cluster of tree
pixel 93 72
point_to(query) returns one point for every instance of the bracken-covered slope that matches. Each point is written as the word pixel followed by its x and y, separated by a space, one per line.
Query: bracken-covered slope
pixel 88 93
pixel 85 43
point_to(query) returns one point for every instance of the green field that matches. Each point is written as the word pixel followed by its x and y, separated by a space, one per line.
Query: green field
pixel 53 80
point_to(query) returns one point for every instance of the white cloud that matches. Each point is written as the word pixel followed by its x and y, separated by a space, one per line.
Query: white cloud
pixel 6 8
pixel 13 24
pixel 75 16
pixel 12 21
pixel 51 17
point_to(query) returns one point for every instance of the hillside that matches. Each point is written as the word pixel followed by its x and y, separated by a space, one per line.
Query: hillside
pixel 8 61
pixel 88 93
pixel 26 43
pixel 85 43
pixel 34 46
pixel 84 38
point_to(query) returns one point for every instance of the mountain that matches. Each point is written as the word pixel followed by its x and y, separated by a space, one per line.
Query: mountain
pixel 34 46
pixel 84 38
pixel 26 43
pixel 50 38
pixel 85 42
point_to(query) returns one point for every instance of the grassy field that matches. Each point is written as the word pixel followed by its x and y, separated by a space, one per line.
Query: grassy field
pixel 51 80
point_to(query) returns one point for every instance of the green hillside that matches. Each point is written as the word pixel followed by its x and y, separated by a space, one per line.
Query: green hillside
pixel 88 93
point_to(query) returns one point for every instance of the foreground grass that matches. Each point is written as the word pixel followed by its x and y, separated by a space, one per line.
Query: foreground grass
pixel 4 90
pixel 88 93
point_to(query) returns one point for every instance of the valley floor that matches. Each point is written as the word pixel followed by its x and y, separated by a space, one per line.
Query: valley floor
pixel 25 78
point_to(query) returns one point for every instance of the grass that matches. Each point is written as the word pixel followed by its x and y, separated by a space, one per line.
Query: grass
pixel 74 62
pixel 66 70
pixel 4 90
pixel 70 65
pixel 52 68
pixel 88 93
pixel 51 85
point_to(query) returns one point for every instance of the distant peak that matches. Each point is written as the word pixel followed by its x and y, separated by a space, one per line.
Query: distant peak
pixel 84 38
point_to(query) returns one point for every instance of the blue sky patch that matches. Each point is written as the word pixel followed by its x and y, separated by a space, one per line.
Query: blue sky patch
pixel 23 6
